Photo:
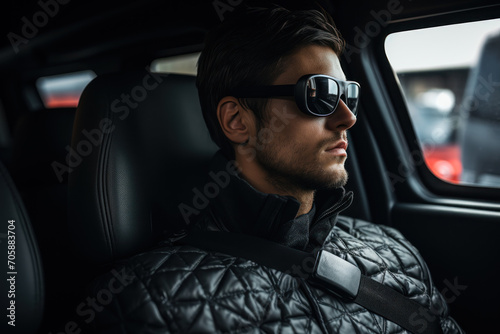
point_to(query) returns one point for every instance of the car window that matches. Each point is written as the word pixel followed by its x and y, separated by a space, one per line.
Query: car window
pixel 184 64
pixel 450 80
pixel 63 90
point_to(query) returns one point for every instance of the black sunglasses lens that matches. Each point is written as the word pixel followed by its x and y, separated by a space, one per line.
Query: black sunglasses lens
pixel 352 97
pixel 322 95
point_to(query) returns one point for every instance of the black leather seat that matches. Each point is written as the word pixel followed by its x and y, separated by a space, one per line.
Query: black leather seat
pixel 40 142
pixel 148 140
pixel 26 287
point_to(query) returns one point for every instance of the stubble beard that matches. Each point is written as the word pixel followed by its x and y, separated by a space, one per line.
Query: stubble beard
pixel 294 172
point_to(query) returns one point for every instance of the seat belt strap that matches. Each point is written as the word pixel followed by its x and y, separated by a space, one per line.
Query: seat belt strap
pixel 329 272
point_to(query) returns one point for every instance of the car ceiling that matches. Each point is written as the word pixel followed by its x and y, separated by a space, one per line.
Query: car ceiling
pixel 82 29
pixel 108 36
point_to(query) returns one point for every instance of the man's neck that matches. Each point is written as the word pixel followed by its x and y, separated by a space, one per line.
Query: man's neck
pixel 268 184
pixel 306 204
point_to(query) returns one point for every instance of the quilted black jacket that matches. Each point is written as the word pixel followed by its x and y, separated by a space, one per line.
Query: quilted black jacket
pixel 183 289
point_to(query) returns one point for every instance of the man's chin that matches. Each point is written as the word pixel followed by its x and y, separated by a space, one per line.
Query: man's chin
pixel 330 180
pixel 338 180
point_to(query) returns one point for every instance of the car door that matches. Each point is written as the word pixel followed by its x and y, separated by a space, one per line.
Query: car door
pixel 454 225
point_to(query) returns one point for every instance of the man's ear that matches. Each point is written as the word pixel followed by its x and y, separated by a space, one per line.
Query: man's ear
pixel 233 119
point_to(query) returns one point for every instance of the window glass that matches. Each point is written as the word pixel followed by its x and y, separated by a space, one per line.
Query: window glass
pixel 450 79
pixel 64 90
pixel 185 64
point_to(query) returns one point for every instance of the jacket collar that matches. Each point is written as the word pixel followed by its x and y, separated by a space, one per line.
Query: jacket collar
pixel 240 208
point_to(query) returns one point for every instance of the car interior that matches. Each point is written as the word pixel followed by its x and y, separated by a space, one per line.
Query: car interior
pixel 89 178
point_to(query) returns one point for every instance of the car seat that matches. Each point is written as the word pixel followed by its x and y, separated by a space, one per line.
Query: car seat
pixel 138 139
pixel 41 139
pixel 22 284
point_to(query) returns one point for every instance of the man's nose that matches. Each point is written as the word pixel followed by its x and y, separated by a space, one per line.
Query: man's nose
pixel 341 119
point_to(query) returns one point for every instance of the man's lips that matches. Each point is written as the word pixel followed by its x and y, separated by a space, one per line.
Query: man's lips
pixel 339 148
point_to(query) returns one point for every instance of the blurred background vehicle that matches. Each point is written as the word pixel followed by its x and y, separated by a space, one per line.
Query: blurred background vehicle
pixel 449 82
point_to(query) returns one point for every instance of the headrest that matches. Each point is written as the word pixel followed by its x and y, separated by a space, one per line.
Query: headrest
pixel 138 139
pixel 40 141
pixel 22 284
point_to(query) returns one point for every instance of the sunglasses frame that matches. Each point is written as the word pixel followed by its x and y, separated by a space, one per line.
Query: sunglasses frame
pixel 298 91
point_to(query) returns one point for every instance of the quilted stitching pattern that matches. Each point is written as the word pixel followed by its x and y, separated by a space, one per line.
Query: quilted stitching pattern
pixel 183 289
pixel 383 254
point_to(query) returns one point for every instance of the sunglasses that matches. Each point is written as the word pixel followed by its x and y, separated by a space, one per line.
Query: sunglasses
pixel 315 94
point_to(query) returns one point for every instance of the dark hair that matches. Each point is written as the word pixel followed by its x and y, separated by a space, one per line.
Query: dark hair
pixel 250 48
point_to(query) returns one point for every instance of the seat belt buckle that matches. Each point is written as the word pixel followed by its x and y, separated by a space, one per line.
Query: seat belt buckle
pixel 336 275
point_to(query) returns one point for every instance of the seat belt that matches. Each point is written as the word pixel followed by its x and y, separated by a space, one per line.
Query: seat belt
pixel 330 272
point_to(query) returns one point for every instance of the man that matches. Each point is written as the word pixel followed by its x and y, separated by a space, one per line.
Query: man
pixel 277 102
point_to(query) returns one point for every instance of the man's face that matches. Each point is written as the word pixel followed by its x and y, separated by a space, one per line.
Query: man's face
pixel 307 153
